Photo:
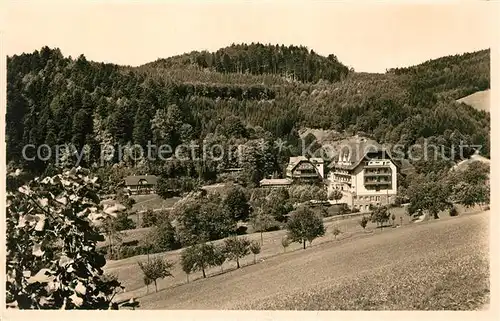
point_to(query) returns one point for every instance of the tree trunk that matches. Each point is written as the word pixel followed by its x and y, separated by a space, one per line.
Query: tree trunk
pixel 204 275
pixel 187 277
pixel 436 216
pixel 156 286
pixel 147 289
pixel 254 258
pixel 237 263
pixel 221 269
pixel 304 244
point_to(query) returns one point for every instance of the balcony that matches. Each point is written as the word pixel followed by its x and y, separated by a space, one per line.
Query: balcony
pixel 375 174
pixel 377 164
pixel 378 182
pixel 342 173
pixel 305 175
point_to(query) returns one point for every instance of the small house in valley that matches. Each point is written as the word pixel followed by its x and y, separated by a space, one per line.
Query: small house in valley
pixel 141 184
pixel 303 169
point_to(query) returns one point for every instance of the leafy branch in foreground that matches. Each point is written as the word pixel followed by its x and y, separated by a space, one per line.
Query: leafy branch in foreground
pixel 52 233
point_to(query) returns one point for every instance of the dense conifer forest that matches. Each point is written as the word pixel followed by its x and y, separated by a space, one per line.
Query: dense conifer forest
pixel 249 94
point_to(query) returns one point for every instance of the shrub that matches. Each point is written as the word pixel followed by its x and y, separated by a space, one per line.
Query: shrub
pixel 453 211
pixel 123 222
pixel 354 210
pixel 149 218
pixel 285 242
pixel 162 238
pixel 363 222
pixel 336 231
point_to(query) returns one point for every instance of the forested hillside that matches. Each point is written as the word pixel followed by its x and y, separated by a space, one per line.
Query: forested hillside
pixel 257 59
pixel 248 94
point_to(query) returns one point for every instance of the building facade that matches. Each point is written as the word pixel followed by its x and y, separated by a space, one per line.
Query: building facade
pixel 365 174
pixel 302 169
pixel 141 184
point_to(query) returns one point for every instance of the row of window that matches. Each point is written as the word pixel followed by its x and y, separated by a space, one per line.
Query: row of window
pixel 368 198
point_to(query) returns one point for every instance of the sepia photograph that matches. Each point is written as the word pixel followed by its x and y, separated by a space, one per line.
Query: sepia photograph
pixel 247 155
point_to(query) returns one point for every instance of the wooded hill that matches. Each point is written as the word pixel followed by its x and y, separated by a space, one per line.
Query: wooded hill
pixel 239 93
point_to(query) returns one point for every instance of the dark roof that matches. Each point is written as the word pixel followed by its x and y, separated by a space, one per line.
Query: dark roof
pixel 294 161
pixel 356 150
pixel 135 179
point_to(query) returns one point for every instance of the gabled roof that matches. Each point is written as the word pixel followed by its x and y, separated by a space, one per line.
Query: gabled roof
pixel 135 179
pixel 294 161
pixel 356 150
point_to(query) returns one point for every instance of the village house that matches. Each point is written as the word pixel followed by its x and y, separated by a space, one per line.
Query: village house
pixel 300 170
pixel 365 174
pixel 141 184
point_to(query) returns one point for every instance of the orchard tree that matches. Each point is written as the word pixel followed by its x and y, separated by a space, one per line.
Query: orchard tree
pixel 51 238
pixel 187 262
pixel 236 248
pixel 261 222
pixel 155 269
pixel 219 257
pixel 380 215
pixel 304 225
pixel 255 249
pixel 429 194
pixel 200 255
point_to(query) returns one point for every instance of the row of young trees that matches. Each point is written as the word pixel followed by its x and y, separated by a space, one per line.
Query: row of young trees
pixel 303 226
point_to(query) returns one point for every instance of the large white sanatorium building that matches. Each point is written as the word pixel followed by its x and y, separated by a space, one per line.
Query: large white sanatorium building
pixel 365 174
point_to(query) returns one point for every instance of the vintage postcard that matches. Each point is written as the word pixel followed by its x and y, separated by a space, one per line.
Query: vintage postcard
pixel 248 158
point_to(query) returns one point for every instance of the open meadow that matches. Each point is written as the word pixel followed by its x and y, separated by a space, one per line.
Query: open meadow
pixel 436 264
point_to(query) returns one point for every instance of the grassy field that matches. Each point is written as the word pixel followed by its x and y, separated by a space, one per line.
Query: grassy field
pixel 438 264
pixel 152 202
pixel 479 100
